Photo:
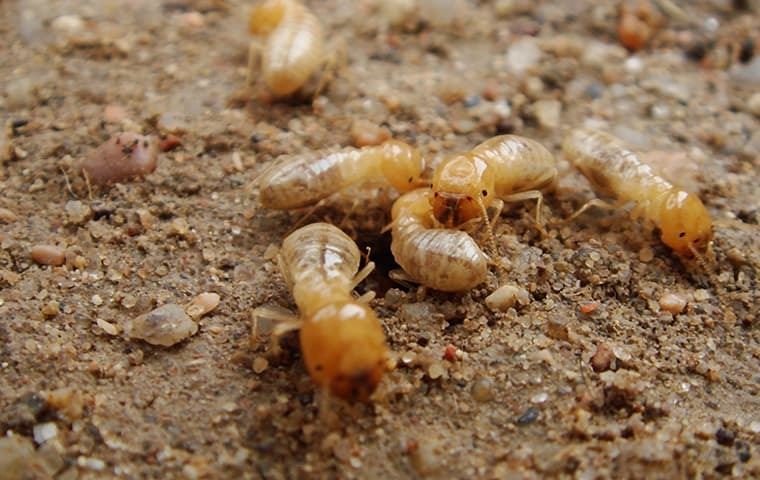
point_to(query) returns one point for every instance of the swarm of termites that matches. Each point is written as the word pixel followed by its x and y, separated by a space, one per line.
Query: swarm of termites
pixel 121 158
pixel 293 45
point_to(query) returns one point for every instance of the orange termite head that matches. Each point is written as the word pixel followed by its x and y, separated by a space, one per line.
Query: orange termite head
pixel 685 224
pixel 462 189
pixel 402 165
pixel 344 348
pixel 266 15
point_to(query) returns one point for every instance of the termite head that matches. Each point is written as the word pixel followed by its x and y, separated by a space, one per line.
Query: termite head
pixel 344 348
pixel 265 16
pixel 402 165
pixel 462 189
pixel 685 224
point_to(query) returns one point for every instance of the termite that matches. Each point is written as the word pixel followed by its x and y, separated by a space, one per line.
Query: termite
pixel 616 172
pixel 443 259
pixel 300 181
pixel 342 340
pixel 294 48
pixel 506 168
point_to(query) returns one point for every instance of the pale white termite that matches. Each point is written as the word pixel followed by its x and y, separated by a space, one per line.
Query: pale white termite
pixel 294 48
pixel 443 259
pixel 342 341
pixel 616 172
pixel 303 180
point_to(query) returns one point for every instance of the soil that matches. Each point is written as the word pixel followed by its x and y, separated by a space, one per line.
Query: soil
pixel 591 379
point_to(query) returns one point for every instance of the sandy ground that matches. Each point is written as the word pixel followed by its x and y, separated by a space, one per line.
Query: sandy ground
pixel 675 396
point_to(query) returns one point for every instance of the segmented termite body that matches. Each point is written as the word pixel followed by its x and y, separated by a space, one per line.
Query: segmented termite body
pixel 616 172
pixel 294 47
pixel 342 341
pixel 506 167
pixel 443 259
pixel 299 181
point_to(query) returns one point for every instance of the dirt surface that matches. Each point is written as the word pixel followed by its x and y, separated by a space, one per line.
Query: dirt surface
pixel 624 390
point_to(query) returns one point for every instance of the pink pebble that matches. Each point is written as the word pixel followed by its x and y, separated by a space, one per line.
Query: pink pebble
pixel 122 157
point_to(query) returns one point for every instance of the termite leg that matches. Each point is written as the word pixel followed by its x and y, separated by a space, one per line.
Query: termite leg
pixel 362 274
pixel 287 322
pixel 366 297
pixel 254 57
pixel 529 195
pixel 401 277
pixel 596 202
pixel 305 216
pixel 489 227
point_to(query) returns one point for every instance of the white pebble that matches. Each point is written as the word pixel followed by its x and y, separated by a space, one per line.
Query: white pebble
pixel 44 432
pixel 523 54
pixel 166 326
pixel 670 302
pixel 506 296
pixel 108 327
pixel 91 463
pixel 539 397
pixel 68 24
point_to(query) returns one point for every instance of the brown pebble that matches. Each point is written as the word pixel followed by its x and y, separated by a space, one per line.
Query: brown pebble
pixel 170 143
pixel 557 328
pixel 483 389
pixel 7 216
pixel 365 133
pixel 114 113
pixel 202 304
pixel 122 157
pixel 670 302
pixel 51 309
pixel 48 255
pixel 602 358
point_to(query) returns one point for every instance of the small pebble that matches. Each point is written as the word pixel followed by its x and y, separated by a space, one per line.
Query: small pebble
pixel 68 24
pixel 523 54
pixel 602 358
pixel 539 397
pixel 114 114
pixel 529 416
pixel 670 302
pixel 96 300
pixel 646 254
pixel 754 104
pixel 365 133
pixel 51 309
pixel 483 389
pixel 506 296
pixel 122 157
pixel 701 295
pixel 166 326
pixel 202 304
pixel 725 437
pixel 48 255
pixel 7 216
pixel 108 327
pixel 91 463
pixel 260 364
pixel 558 328
pixel 426 457
pixel 436 370
pixel 44 431
pixel 77 212
pixel 547 113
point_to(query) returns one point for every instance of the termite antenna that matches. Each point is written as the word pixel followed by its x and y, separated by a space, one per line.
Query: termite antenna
pixel 489 228
pixel 68 184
